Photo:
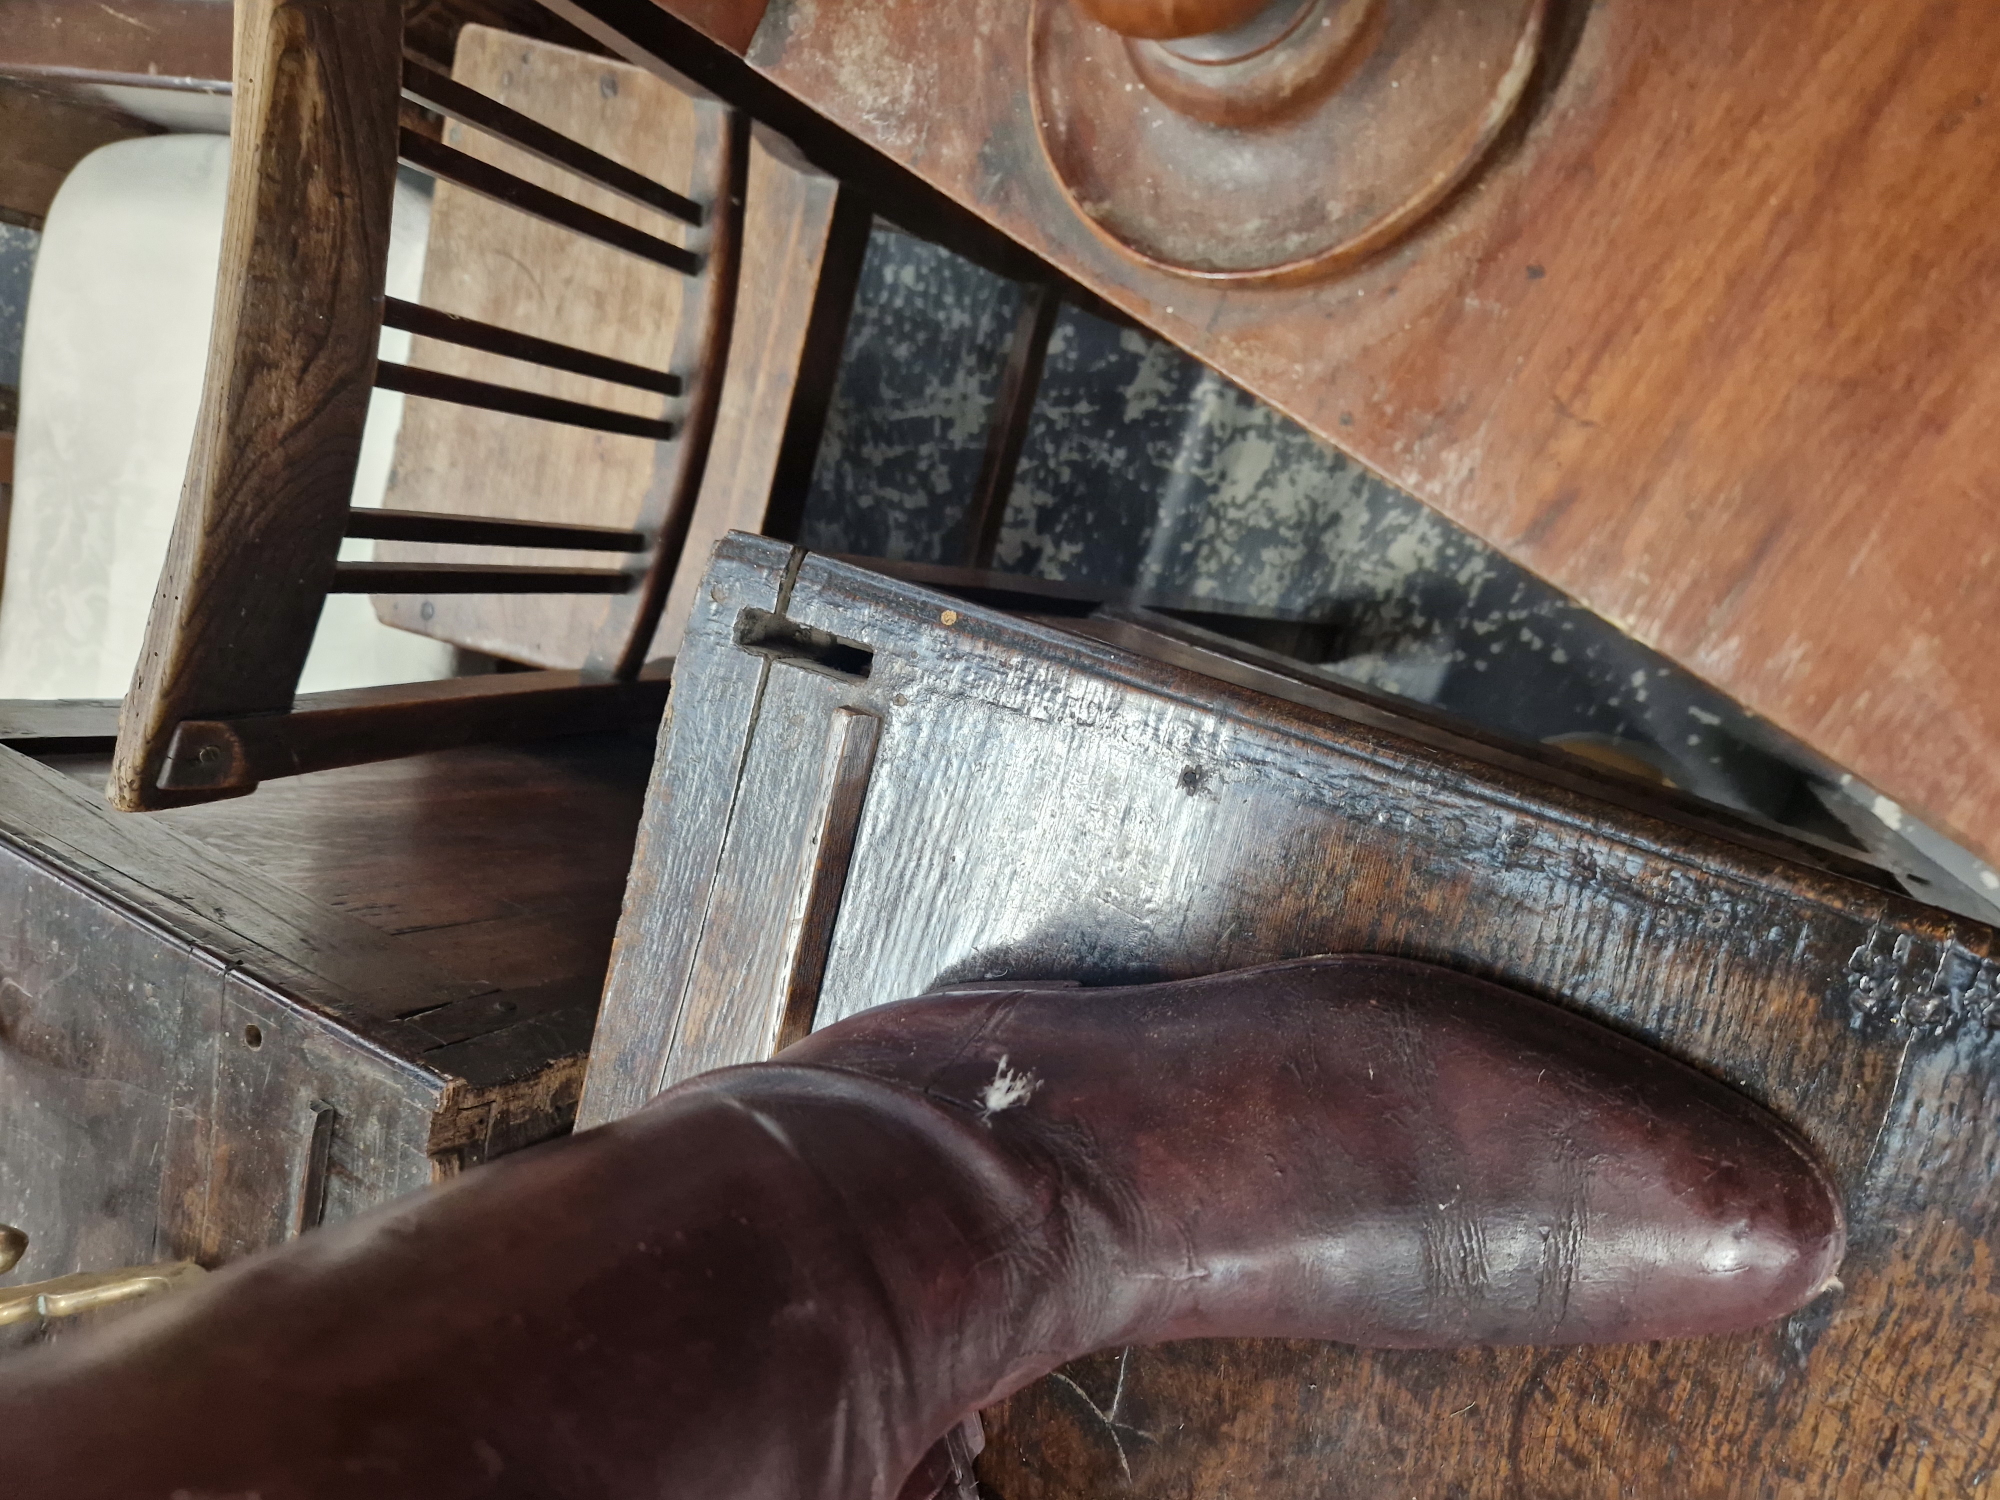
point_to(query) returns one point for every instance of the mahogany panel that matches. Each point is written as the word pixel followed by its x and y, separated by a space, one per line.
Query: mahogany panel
pixel 1706 344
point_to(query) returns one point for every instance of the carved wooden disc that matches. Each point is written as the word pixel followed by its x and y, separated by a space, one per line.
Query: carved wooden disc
pixel 1423 91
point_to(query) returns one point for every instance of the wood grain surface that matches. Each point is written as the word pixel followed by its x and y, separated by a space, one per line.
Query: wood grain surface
pixel 1708 344
pixel 1048 804
pixel 305 241
pixel 488 261
pixel 417 945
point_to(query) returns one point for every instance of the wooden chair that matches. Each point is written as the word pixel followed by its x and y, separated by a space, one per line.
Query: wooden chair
pixel 878 788
pixel 320 125
pixel 805 236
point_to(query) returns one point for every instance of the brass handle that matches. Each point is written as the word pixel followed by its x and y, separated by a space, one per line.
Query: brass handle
pixel 67 1296
pixel 13 1245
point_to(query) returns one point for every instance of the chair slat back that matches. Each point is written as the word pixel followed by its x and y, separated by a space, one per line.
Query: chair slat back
pixel 324 115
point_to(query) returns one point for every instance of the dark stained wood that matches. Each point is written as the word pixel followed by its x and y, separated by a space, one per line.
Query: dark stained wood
pixel 279 434
pixel 431 28
pixel 502 862
pixel 58 724
pixel 470 172
pixel 704 739
pixel 1277 152
pixel 1612 355
pixel 1171 18
pixel 473 334
pixel 439 386
pixel 1013 407
pixel 643 33
pixel 427 86
pixel 328 730
pixel 846 765
pixel 730 22
pixel 418 945
pixel 255 548
pixel 486 531
pixel 1053 802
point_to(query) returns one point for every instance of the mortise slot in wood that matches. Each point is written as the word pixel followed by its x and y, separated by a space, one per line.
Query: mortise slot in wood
pixel 469 172
pixel 450 97
pixel 319 1156
pixel 786 640
pixel 850 763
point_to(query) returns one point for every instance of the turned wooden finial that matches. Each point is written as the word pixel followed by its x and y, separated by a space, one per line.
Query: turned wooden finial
pixel 1271 140
pixel 1163 20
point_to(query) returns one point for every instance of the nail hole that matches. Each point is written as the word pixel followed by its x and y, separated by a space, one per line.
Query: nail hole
pixel 253 1036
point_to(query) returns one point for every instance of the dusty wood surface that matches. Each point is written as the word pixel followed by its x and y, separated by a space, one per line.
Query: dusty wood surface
pixel 1697 345
pixel 490 262
pixel 168 1020
pixel 418 944
pixel 305 240
pixel 486 262
pixel 1047 804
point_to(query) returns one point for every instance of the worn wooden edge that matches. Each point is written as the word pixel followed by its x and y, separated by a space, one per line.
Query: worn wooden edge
pixel 683 829
pixel 310 958
pixel 285 394
pixel 1102 611
pixel 687 822
pixel 1217 655
pixel 237 754
pixel 1579 806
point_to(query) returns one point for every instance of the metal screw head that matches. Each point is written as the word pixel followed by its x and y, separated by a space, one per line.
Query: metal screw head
pixel 13 1245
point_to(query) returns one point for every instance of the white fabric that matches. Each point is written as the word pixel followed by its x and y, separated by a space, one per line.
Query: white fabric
pixel 111 372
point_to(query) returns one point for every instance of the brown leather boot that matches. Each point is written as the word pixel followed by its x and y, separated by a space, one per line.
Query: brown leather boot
pixel 789 1280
